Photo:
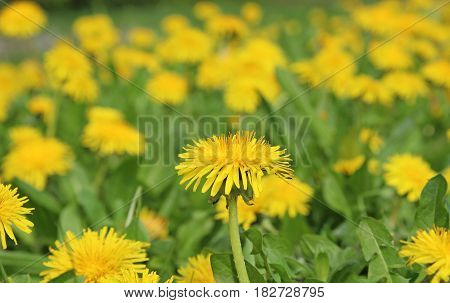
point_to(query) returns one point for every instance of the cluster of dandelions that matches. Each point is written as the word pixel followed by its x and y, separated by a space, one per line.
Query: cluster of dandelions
pixel 236 56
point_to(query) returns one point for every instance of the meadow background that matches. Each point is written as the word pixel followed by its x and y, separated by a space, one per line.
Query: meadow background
pixel 371 145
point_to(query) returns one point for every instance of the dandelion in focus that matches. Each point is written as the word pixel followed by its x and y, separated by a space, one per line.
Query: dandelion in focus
pixel 97 256
pixel 12 213
pixel 431 248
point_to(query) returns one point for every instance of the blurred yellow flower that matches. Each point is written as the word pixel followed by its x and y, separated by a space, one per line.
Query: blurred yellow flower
pixel 372 90
pixel 372 139
pixel 141 37
pixel 155 225
pixel 373 166
pixel 234 161
pixel 252 12
pixel 23 134
pixel 213 72
pixel 12 213
pixel 35 160
pixel 108 133
pixel 32 73
pixel 96 256
pixel 197 270
pixel 227 26
pixel 63 62
pixel 281 197
pixel 188 45
pixel 390 56
pixel 42 105
pixel 168 88
pixel 431 248
pixel 205 10
pixel 173 23
pixel 10 87
pixel 22 19
pixel 348 166
pixel 247 213
pixel 406 85
pixel 241 95
pixel 438 72
pixel 408 174
pixel 82 89
pixel 127 60
pixel 96 33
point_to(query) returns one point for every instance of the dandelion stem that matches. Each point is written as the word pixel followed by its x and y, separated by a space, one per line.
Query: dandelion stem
pixel 233 227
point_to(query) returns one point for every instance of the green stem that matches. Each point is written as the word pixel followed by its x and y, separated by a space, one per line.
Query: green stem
pixel 233 227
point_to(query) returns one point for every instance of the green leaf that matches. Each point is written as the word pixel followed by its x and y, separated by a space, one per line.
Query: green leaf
pixel 3 276
pixel 223 268
pixel 38 197
pixel 432 211
pixel 376 244
pixel 87 198
pixel 253 274
pixel 334 196
pixel 22 262
pixel 70 219
pixel 277 251
pixel 255 236
pixel 322 266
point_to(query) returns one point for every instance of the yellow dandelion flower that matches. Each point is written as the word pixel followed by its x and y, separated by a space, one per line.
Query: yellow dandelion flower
pixel 432 248
pixel 23 134
pixel 173 23
pixel 198 270
pixel 9 87
pixel 141 37
pixel 12 213
pixel 32 73
pixel 96 33
pixel 204 10
pixel 247 213
pixel 133 276
pixel 155 225
pixel 373 166
pixel 284 197
pixel 82 89
pixel 64 62
pixel 227 26
pixel 22 19
pixel 43 106
pixel 252 12
pixel 390 56
pixel 127 60
pixel 33 161
pixel 188 45
pixel 233 161
pixel 371 138
pixel 408 174
pixel 95 256
pixel 371 90
pixel 242 96
pixel 168 87
pixel 406 85
pixel 108 133
pixel 438 72
pixel 213 72
pixel 348 166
